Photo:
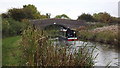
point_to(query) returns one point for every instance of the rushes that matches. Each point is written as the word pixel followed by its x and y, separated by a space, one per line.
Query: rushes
pixel 38 50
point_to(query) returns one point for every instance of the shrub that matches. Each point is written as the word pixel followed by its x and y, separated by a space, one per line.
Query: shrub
pixel 10 27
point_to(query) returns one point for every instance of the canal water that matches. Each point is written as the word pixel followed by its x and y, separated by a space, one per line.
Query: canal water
pixel 107 54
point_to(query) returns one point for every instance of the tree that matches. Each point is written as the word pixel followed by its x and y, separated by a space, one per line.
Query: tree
pixel 86 17
pixel 63 16
pixel 4 15
pixel 27 12
pixel 115 20
pixel 31 12
pixel 16 14
pixel 103 17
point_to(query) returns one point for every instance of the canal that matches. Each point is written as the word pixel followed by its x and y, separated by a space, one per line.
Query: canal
pixel 107 54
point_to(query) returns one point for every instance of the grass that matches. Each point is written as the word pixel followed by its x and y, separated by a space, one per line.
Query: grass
pixel 10 51
pixel 107 37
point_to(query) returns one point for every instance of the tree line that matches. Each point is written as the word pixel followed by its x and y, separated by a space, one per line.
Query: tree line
pixel 30 12
pixel 15 19
pixel 27 12
pixel 102 17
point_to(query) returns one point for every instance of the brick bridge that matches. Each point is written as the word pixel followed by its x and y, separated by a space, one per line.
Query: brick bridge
pixel 72 24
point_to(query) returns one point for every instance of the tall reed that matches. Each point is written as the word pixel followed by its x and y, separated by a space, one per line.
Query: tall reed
pixel 38 50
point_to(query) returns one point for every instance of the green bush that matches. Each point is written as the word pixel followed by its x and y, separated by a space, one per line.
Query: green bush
pixel 10 27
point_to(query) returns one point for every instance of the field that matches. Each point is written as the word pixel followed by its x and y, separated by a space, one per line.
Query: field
pixel 10 50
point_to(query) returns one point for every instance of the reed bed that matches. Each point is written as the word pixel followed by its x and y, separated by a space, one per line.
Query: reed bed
pixel 38 50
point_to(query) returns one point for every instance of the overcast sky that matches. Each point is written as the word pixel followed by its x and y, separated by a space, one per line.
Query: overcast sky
pixel 73 8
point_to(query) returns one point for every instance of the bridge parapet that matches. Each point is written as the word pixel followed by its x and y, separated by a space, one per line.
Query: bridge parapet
pixel 72 24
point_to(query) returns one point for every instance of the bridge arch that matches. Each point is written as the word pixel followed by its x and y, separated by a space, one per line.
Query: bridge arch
pixel 55 26
pixel 72 24
pixel 69 25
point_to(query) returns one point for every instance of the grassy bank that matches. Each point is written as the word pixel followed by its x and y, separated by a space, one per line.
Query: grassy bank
pixel 107 34
pixel 10 51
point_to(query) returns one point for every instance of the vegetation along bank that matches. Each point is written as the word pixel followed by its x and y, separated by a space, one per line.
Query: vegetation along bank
pixel 105 34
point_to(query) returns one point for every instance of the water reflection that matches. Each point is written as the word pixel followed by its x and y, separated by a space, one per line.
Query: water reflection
pixel 107 54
